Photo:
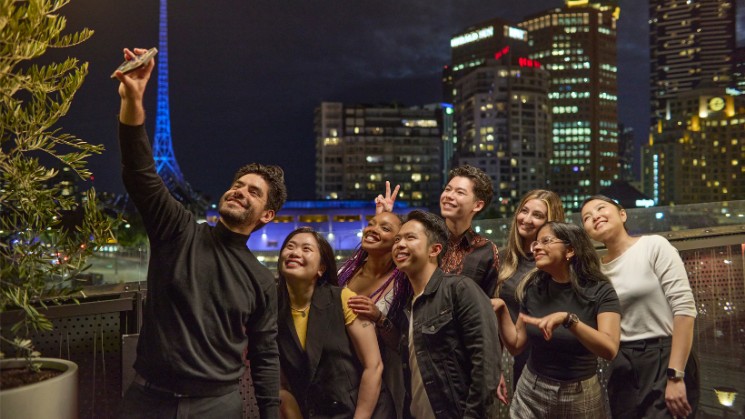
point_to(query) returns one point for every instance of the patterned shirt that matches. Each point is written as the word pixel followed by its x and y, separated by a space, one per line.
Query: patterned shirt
pixel 473 256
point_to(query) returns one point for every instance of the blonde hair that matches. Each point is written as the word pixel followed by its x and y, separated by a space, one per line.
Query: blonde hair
pixel 514 250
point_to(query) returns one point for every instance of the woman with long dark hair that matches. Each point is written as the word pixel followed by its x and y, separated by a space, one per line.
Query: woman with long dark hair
pixel 649 377
pixel 567 289
pixel 330 361
pixel 516 259
pixel 379 286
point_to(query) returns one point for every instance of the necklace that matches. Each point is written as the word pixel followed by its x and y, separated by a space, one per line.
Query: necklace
pixel 302 311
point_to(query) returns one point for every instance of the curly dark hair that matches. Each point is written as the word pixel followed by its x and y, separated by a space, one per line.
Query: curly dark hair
pixel 274 176
pixel 482 186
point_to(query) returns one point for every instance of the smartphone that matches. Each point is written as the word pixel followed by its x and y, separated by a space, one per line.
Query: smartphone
pixel 136 62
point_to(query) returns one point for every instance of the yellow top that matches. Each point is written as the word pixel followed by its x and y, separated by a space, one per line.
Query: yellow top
pixel 300 319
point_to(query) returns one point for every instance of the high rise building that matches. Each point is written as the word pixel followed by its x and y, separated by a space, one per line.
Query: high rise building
pixel 501 120
pixel 691 42
pixel 577 45
pixel 359 147
pixel 698 154
pixel 627 153
pixel 504 127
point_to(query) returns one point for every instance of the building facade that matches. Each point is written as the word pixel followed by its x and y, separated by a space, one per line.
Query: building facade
pixel 359 147
pixel 698 154
pixel 691 42
pixel 577 45
pixel 504 127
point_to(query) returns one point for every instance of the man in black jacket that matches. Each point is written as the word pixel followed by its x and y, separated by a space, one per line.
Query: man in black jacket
pixel 208 297
pixel 452 344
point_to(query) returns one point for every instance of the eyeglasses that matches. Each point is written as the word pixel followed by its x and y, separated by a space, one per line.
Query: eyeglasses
pixel 545 241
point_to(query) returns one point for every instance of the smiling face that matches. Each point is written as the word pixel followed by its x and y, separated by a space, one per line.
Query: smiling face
pixel 300 258
pixel 551 253
pixel 243 206
pixel 457 201
pixel 602 220
pixel 412 251
pixel 378 236
pixel 532 216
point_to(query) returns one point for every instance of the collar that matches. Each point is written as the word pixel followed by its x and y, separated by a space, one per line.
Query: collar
pixel 230 238
pixel 434 282
pixel 465 240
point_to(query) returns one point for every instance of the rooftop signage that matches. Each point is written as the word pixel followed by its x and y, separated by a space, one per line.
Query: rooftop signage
pixel 473 36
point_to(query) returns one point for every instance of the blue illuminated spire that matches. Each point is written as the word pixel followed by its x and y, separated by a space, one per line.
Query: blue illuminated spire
pixel 165 160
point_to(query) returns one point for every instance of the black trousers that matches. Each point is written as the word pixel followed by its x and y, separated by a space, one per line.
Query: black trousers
pixel 142 403
pixel 636 387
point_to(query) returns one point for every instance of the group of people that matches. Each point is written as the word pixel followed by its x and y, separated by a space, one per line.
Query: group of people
pixel 414 323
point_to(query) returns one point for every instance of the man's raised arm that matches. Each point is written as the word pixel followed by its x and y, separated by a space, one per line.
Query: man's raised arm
pixel 132 89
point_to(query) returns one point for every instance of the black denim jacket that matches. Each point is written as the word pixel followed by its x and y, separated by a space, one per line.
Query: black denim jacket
pixel 457 346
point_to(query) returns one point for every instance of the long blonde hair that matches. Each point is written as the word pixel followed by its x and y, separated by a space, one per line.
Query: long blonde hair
pixel 555 212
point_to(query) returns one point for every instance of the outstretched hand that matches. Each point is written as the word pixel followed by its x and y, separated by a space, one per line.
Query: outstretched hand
pixel 132 85
pixel 385 203
pixel 547 324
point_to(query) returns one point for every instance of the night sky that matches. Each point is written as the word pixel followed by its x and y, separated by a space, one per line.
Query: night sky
pixel 245 76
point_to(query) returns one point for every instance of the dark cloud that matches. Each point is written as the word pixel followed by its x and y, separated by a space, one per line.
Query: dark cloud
pixel 245 77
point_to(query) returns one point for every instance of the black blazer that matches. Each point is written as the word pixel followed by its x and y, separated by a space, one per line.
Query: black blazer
pixel 325 377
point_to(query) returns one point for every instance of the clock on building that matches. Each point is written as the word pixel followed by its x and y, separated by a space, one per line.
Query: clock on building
pixel 716 104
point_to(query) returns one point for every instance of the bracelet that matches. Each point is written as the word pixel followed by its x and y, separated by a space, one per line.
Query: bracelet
pixel 380 316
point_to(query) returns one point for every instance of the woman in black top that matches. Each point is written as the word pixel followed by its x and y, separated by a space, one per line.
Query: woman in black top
pixel 536 208
pixel 329 357
pixel 568 289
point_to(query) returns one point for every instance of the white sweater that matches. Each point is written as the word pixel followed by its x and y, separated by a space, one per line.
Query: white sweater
pixel 652 286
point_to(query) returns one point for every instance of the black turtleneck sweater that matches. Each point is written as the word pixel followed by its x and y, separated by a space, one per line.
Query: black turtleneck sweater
pixel 208 296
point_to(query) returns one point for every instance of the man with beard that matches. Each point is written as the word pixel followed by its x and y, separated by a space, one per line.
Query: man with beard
pixel 209 299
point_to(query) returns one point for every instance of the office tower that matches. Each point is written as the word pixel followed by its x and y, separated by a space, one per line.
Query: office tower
pixel 359 147
pixel 577 45
pixel 626 154
pixel 691 45
pixel 501 118
pixel 504 127
pixel 698 154
pixel 472 47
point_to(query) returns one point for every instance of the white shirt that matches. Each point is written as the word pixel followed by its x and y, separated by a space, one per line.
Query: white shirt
pixel 652 286
pixel 421 408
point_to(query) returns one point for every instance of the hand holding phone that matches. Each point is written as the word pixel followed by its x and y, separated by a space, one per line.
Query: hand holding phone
pixel 136 62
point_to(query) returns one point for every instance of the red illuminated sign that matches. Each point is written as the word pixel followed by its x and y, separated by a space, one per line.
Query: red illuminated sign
pixel 527 62
pixel 502 52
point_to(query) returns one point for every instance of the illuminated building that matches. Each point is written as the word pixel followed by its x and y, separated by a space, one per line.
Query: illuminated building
pixel 577 45
pixel 501 115
pixel 626 154
pixel 698 154
pixel 504 127
pixel 691 42
pixel 359 147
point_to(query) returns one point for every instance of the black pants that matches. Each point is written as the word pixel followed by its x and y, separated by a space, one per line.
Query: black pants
pixel 142 403
pixel 638 380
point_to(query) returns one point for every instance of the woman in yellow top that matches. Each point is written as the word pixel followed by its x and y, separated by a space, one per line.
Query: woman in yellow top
pixel 331 365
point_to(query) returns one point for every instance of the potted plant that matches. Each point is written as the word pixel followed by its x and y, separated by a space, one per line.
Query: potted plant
pixel 46 232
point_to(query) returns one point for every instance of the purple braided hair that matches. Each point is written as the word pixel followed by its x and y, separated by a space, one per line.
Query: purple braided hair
pixel 401 286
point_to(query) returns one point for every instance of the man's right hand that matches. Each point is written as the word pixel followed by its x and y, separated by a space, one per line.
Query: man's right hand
pixel 132 89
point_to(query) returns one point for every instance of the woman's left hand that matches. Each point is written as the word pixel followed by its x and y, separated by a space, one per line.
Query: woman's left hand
pixel 547 324
pixel 365 307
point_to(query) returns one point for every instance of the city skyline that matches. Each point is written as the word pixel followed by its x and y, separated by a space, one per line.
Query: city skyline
pixel 254 78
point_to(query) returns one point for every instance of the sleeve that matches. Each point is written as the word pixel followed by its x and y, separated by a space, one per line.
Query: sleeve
pixel 608 299
pixel 349 315
pixel 162 214
pixel 671 272
pixel 481 339
pixel 263 354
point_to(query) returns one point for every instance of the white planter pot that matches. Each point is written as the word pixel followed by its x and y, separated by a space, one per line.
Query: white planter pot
pixel 53 398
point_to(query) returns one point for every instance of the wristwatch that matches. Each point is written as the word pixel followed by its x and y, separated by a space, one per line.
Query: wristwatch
pixel 673 374
pixel 570 320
